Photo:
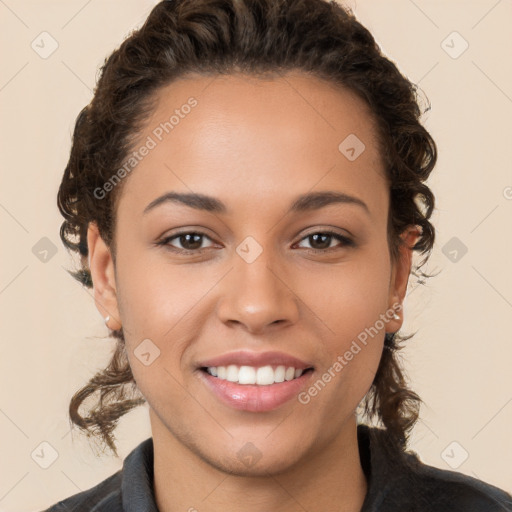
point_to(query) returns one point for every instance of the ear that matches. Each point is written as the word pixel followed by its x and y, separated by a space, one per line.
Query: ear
pixel 103 277
pixel 400 277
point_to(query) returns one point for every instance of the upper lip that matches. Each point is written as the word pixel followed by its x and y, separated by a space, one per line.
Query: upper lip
pixel 257 359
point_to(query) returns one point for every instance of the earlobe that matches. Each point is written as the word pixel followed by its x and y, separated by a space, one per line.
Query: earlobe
pixel 400 276
pixel 101 266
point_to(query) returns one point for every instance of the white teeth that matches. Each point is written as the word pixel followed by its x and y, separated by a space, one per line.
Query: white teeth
pixel 246 375
pixel 279 374
pixel 290 373
pixel 265 376
pixel 232 373
pixel 262 376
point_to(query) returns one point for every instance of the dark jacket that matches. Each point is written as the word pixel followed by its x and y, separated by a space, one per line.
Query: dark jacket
pixel 397 482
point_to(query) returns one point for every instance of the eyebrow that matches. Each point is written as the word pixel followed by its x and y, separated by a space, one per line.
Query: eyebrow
pixel 305 202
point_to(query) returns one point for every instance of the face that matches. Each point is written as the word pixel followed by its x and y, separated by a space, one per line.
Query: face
pixel 271 266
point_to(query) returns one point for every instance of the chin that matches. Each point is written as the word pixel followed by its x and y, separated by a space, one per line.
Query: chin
pixel 258 465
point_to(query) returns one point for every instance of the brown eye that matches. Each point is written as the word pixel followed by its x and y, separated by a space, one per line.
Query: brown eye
pixel 190 242
pixel 321 241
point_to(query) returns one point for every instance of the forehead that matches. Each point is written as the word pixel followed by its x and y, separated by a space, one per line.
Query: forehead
pixel 250 136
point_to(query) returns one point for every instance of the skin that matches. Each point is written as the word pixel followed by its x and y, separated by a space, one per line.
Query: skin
pixel 256 145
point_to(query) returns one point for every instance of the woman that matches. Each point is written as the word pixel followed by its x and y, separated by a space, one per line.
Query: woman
pixel 246 191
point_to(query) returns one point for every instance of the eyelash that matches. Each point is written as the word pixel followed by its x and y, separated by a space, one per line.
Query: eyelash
pixel 347 242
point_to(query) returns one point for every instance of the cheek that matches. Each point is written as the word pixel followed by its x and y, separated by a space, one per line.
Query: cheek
pixel 352 303
pixel 154 297
pixel 350 299
pixel 159 308
pixel 168 305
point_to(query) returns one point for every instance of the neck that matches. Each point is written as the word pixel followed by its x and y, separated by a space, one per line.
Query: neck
pixel 330 479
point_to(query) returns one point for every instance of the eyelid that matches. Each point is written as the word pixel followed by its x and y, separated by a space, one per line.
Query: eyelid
pixel 328 229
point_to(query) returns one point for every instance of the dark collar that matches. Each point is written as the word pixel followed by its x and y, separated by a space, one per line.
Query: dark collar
pixel 384 464
pixel 137 489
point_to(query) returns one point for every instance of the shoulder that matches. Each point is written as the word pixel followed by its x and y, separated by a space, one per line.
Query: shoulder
pixel 103 497
pixel 400 481
pixel 440 489
pixel 130 487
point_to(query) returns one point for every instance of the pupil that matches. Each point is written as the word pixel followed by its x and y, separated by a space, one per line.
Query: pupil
pixel 316 236
pixel 191 245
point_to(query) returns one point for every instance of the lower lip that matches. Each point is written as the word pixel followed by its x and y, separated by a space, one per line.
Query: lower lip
pixel 253 398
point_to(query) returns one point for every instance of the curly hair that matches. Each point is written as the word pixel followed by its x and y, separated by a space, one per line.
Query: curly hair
pixel 318 37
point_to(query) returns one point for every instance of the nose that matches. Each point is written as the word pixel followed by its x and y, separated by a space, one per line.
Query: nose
pixel 257 295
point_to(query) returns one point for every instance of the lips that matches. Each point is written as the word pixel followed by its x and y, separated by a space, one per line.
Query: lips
pixel 255 398
pixel 256 359
pixel 257 393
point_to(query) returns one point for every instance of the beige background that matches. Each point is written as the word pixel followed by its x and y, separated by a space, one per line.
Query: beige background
pixel 51 332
